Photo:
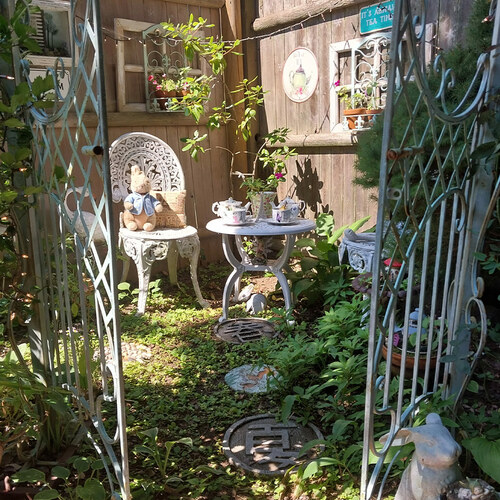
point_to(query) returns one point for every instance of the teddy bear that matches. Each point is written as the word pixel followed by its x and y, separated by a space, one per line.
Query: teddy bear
pixel 140 206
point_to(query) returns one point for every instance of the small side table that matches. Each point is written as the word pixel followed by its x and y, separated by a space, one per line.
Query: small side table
pixel 261 228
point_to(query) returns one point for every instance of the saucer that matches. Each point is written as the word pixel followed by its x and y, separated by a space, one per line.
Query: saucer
pixel 246 223
pixel 275 222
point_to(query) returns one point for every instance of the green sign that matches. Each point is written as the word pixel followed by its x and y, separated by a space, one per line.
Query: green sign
pixel 376 17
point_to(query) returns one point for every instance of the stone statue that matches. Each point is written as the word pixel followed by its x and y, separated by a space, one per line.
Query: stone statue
pixel 434 463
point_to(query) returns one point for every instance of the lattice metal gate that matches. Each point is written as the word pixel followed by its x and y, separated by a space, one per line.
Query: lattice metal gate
pixel 434 204
pixel 75 338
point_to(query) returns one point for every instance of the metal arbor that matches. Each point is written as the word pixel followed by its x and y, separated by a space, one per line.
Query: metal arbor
pixel 75 340
pixel 434 205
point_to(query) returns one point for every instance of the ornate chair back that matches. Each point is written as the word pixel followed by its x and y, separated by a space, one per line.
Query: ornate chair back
pixel 153 156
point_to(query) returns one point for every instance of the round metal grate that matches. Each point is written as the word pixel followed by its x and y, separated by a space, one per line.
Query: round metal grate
pixel 262 445
pixel 241 330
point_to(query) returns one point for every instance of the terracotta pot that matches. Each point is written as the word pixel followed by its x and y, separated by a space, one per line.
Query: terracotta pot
pixel 370 114
pixel 162 97
pixel 352 116
pixel 396 358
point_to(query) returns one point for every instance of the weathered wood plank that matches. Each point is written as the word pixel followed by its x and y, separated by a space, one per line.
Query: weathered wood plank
pixel 300 13
pixel 346 138
pixel 138 119
pixel 211 4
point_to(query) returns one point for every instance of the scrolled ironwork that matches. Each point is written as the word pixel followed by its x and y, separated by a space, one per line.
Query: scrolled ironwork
pixel 428 209
pixel 74 248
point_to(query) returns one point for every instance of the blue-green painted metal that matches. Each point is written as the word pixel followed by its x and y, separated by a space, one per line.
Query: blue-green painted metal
pixel 76 337
pixel 434 204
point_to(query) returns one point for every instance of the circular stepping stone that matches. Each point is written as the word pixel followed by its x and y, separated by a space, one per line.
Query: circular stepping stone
pixel 242 330
pixel 265 446
pixel 251 378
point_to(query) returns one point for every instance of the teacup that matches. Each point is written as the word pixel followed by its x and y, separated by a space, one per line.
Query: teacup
pixel 283 216
pixel 297 208
pixel 236 216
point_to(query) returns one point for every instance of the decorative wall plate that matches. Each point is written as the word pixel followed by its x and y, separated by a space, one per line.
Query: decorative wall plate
pixel 300 75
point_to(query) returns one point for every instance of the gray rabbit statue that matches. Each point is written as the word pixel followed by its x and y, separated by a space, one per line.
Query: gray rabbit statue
pixel 434 464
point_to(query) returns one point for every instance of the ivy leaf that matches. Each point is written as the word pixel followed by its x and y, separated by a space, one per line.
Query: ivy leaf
pixel 339 427
pixel 301 285
pixel 91 490
pixel 29 476
pixel 60 472
pixel 315 466
pixel 48 494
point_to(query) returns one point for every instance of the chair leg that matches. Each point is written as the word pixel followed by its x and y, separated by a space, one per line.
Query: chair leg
pixel 144 274
pixel 172 258
pixel 190 248
pixel 136 250
pixel 126 259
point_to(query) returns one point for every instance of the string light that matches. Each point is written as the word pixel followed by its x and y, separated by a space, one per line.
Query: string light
pixel 110 33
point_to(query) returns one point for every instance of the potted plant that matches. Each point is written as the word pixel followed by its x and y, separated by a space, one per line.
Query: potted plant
pixel 358 101
pixel 261 189
pixel 397 345
pixel 163 87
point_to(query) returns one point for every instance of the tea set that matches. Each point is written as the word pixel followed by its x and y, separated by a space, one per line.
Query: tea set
pixel 234 213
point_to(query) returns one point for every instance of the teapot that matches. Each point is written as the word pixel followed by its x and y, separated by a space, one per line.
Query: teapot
pixel 224 208
pixel 295 207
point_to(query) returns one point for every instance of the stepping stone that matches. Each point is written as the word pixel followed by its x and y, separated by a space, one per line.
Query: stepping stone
pixel 262 445
pixel 242 330
pixel 251 378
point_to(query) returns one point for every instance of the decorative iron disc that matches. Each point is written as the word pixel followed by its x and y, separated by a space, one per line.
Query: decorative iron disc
pixel 262 445
pixel 242 330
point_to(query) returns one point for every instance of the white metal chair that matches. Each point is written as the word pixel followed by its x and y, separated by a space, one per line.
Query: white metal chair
pixel 161 165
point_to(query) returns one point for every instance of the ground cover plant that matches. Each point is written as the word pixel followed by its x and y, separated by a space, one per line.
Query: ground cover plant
pixel 179 406
pixel 322 363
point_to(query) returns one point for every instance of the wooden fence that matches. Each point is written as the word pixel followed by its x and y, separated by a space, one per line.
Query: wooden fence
pixel 322 173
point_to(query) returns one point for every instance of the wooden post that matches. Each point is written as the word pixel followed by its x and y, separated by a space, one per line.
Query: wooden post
pixel 232 30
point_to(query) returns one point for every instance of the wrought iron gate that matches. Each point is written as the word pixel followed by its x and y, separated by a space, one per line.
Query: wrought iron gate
pixel 75 339
pixel 434 204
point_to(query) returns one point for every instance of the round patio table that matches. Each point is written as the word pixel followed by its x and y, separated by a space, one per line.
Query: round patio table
pixel 262 228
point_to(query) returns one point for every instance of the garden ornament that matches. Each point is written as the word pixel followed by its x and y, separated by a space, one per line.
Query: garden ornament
pixel 224 208
pixel 141 207
pixel 294 207
pixel 434 463
pixel 360 250
pixel 256 303
pixel 471 489
pixel 245 293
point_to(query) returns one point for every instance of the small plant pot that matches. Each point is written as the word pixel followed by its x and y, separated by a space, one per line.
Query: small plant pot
pixel 163 96
pixel 396 359
pixel 353 115
pixel 370 115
